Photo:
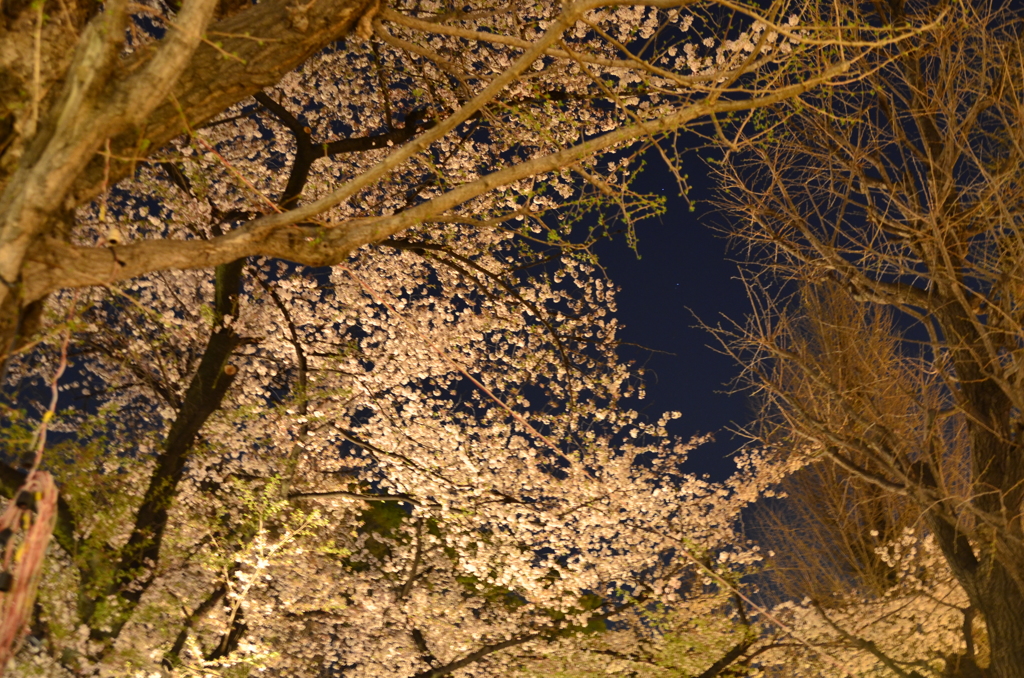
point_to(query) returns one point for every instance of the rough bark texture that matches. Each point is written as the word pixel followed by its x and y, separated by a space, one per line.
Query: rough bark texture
pixel 283 35
pixel 50 164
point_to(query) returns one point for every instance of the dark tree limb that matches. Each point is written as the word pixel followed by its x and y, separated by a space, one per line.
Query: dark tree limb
pixel 306 152
pixel 421 644
pixel 204 608
pixel 863 644
pixel 402 498
pixel 474 657
pixel 141 554
pixel 729 658
pixel 229 641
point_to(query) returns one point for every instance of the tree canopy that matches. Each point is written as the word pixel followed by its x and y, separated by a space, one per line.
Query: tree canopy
pixel 300 314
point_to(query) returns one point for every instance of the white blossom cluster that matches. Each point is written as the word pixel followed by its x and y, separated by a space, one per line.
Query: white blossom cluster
pixel 425 452
pixel 497 535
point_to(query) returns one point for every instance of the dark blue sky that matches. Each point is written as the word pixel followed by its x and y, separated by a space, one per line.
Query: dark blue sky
pixel 682 274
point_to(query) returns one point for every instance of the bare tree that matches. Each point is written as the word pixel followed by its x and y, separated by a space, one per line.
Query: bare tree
pixel 895 207
pixel 876 593
pixel 824 531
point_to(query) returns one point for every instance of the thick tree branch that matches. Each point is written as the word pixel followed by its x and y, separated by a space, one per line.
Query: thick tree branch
pixel 862 643
pixel 307 152
pixel 100 98
pixel 268 40
pixel 204 608
pixel 339 494
pixel 55 264
pixel 141 553
pixel 729 658
pixel 229 640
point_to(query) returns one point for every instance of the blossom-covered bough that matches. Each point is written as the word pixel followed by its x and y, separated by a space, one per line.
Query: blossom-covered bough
pixel 344 394
pixel 90 114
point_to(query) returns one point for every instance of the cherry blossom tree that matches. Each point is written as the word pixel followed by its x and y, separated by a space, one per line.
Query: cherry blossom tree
pixel 891 209
pixel 353 505
pixel 344 394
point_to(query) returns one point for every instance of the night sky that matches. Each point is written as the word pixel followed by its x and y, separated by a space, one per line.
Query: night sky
pixel 683 274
